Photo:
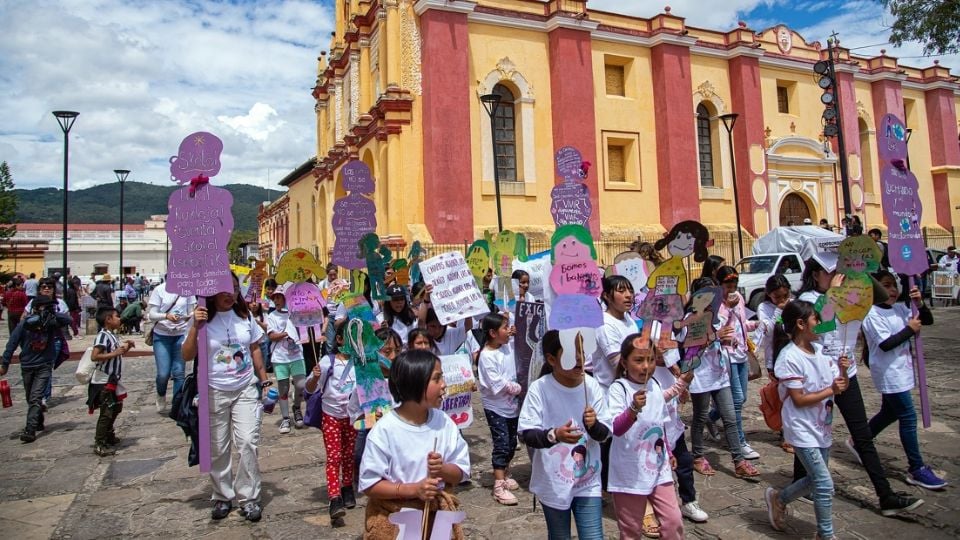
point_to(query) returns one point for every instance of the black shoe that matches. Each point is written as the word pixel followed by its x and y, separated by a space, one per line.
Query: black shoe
pixel 113 440
pixel 349 499
pixel 221 509
pixel 28 436
pixel 103 450
pixel 895 503
pixel 337 510
pixel 298 419
pixel 251 511
pixel 40 426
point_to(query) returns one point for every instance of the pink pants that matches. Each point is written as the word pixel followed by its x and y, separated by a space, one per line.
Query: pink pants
pixel 339 438
pixel 630 509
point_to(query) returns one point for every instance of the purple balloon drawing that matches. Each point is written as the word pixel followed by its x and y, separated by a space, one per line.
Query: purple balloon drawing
pixel 199 155
pixel 354 215
pixel 570 198
pixel 900 200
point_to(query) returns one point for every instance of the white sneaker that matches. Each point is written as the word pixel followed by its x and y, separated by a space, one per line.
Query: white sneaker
pixel 749 453
pixel 693 512
pixel 161 403
pixel 285 426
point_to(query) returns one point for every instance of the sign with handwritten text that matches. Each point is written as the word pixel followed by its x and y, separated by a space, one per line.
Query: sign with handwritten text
pixel 455 294
pixel 458 376
pixel 199 228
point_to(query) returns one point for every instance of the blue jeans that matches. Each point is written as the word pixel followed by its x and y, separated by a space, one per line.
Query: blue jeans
pixel 688 492
pixel 166 352
pixel 503 431
pixel 587 512
pixel 899 407
pixel 739 381
pixel 817 483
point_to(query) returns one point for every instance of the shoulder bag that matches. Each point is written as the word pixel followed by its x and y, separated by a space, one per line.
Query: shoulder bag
pixel 148 339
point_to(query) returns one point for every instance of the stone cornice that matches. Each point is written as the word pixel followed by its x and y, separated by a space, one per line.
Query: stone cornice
pixel 456 6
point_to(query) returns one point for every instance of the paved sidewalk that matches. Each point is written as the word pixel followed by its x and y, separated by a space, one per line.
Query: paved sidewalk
pixel 57 488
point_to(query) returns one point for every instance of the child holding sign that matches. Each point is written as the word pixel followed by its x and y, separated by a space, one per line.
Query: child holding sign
pixel 414 450
pixel 888 329
pixel 641 457
pixel 287 356
pixel 499 391
pixel 560 420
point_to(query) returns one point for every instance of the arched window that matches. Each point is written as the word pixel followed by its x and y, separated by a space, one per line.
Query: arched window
pixel 704 146
pixel 505 135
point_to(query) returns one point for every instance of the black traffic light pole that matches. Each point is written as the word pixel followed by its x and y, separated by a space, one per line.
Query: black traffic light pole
pixel 841 145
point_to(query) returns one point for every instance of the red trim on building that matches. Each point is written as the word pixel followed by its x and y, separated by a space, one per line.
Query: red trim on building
pixel 944 151
pixel 447 165
pixel 851 128
pixel 676 143
pixel 887 97
pixel 747 99
pixel 573 109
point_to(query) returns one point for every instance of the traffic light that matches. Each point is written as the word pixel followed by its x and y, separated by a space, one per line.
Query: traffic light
pixel 828 98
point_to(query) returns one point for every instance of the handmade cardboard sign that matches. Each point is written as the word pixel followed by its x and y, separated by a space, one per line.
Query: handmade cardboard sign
pixel 704 306
pixel 362 346
pixel 900 198
pixel 478 259
pixel 455 294
pixel 635 268
pixel 853 299
pixel 298 265
pixel 684 239
pixel 305 303
pixel 535 266
pixel 570 198
pixel 504 246
pixel 255 280
pixel 575 281
pixel 353 215
pixel 858 254
pixel 410 522
pixel 578 344
pixel 828 316
pixel 458 376
pixel 378 258
pixel 531 325
pixel 414 257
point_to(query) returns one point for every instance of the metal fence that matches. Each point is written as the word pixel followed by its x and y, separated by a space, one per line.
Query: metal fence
pixel 939 238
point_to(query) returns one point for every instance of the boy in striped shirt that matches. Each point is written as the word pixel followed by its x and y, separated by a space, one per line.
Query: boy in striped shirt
pixel 105 391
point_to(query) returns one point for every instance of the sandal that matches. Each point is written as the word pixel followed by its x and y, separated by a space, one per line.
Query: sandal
pixel 787 447
pixel 747 471
pixel 702 466
pixel 651 526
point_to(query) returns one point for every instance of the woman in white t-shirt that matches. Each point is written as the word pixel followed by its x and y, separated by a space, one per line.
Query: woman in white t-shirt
pixel 499 392
pixel 809 380
pixel 563 420
pixel 414 450
pixel 235 369
pixel 170 314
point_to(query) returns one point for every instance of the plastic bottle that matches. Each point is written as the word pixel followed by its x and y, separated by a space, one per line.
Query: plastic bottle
pixel 270 401
pixel 5 394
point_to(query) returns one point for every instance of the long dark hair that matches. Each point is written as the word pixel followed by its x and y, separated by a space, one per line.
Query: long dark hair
pixel 614 283
pixel 406 315
pixel 239 304
pixel 711 265
pixel 775 283
pixel 550 344
pixel 785 331
pixel 695 229
pixel 491 321
pixel 808 282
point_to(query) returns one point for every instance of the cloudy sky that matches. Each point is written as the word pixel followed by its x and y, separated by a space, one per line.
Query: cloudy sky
pixel 144 74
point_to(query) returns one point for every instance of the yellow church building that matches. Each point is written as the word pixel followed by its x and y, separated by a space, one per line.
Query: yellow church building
pixel 640 98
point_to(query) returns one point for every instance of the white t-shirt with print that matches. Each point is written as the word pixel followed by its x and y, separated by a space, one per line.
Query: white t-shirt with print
pixel 767 315
pixel 288 349
pixel 336 391
pixel 713 372
pixel 396 451
pixel 639 459
pixel 161 302
pixel 497 368
pixel 833 343
pixel 609 338
pixel 229 341
pixel 563 471
pixel 452 340
pixel 806 427
pixel 673 424
pixel 892 370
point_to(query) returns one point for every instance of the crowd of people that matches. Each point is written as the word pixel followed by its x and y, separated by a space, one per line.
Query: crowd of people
pixel 604 428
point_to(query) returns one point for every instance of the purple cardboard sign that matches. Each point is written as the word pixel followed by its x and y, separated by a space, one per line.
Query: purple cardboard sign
pixel 900 200
pixel 354 215
pixel 569 162
pixel 570 203
pixel 199 229
pixel 305 303
pixel 531 325
pixel 575 311
pixel 199 155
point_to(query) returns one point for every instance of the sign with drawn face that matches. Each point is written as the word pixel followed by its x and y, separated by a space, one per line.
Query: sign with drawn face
pixel 478 260
pixel 900 198
pixel 574 269
pixel 684 239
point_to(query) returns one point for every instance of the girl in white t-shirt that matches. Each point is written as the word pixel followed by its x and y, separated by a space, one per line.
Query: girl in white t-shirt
pixel 334 376
pixel 888 329
pixel 776 296
pixel 563 421
pixel 809 380
pixel 499 392
pixel 397 313
pixel 617 296
pixel 414 450
pixel 641 454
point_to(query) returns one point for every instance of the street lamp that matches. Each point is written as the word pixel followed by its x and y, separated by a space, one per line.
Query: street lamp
pixel 65 119
pixel 729 120
pixel 490 103
pixel 122 177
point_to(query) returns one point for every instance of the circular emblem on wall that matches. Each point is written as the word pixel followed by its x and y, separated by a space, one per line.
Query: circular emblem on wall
pixel 759 191
pixel 784 39
pixel 856 195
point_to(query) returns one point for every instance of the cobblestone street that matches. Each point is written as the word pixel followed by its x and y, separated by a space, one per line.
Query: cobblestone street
pixel 56 487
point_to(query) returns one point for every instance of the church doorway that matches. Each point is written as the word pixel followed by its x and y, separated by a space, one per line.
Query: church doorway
pixel 794 209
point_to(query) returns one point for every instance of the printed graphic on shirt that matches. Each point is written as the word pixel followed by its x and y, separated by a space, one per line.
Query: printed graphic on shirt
pixel 652 449
pixel 231 359
pixel 575 465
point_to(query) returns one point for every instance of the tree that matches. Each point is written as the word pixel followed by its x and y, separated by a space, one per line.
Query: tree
pixel 233 247
pixel 8 207
pixel 934 23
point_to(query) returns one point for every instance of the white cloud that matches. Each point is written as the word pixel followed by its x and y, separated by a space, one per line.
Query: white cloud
pixel 145 74
pixel 720 14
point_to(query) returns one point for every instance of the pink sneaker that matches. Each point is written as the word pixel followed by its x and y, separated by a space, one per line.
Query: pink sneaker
pixel 502 495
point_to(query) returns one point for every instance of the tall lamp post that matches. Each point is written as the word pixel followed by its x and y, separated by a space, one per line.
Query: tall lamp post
pixel 122 177
pixel 729 120
pixel 66 120
pixel 490 103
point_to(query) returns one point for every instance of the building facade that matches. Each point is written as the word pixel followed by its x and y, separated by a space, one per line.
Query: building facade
pixel 639 97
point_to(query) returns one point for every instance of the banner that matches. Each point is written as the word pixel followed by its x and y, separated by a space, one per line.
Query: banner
pixel 455 294
pixel 458 375
pixel 531 323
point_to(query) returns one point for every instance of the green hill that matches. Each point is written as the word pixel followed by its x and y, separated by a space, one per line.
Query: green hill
pixel 101 204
